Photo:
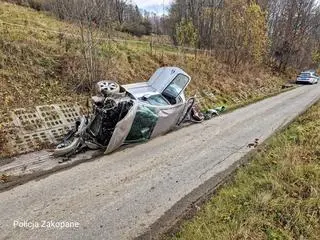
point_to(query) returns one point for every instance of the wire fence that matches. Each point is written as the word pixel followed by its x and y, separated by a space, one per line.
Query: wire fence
pixel 151 43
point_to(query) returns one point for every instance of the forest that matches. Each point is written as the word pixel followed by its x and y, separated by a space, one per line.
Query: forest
pixel 279 33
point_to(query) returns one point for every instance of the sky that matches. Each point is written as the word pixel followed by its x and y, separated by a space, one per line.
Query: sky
pixel 153 5
pixel 157 5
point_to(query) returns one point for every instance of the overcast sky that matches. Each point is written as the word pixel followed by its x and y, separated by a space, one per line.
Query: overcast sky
pixel 157 5
pixel 153 5
pixel 146 3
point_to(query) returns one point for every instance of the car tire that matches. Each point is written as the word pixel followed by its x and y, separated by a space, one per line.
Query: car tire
pixel 67 148
pixel 108 87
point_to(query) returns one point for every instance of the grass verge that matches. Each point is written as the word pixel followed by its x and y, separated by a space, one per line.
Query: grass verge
pixel 275 196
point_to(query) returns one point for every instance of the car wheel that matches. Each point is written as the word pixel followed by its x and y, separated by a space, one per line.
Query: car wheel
pixel 67 148
pixel 108 87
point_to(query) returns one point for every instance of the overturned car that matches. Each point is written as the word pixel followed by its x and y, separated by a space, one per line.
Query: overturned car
pixel 132 113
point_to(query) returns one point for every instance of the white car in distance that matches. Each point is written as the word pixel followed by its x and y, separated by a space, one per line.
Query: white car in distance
pixel 308 77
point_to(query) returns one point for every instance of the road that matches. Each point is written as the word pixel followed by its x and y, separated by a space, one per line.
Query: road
pixel 121 195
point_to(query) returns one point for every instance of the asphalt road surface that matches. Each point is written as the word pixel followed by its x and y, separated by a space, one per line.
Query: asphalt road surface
pixel 121 195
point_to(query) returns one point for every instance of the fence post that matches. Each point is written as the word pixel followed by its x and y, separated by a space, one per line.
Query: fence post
pixel 151 45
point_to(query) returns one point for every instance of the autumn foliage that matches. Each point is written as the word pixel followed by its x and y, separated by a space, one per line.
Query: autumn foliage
pixel 236 32
pixel 280 33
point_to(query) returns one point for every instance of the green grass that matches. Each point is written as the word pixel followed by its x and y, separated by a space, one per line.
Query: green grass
pixel 275 196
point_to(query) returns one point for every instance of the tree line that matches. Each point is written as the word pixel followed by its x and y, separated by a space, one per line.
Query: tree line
pixel 121 15
pixel 283 33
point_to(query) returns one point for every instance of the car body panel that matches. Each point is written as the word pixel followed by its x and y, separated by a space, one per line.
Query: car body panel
pixel 167 115
pixel 122 130
pixel 158 82
pixel 139 89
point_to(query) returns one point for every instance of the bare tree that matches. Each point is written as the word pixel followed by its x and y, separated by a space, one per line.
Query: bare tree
pixel 226 27
pixel 92 17
pixel 291 23
pixel 120 6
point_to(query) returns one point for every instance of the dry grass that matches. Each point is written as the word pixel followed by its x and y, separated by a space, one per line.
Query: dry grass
pixel 39 67
pixel 276 196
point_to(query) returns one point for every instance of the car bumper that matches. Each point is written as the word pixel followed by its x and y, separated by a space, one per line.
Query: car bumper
pixel 309 81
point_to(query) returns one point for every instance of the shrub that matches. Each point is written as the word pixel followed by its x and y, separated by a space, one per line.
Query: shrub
pixel 136 29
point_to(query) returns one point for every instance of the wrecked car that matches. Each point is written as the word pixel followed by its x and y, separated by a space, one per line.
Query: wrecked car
pixel 132 113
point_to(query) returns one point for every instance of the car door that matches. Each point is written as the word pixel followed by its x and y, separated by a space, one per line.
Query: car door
pixel 168 117
pixel 175 88
pixel 170 82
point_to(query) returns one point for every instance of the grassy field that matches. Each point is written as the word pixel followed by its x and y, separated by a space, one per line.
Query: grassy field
pixel 275 196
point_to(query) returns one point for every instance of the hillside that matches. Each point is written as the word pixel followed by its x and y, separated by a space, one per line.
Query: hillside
pixel 40 65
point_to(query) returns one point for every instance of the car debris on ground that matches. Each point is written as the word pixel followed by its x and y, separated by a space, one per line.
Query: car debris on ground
pixel 210 113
